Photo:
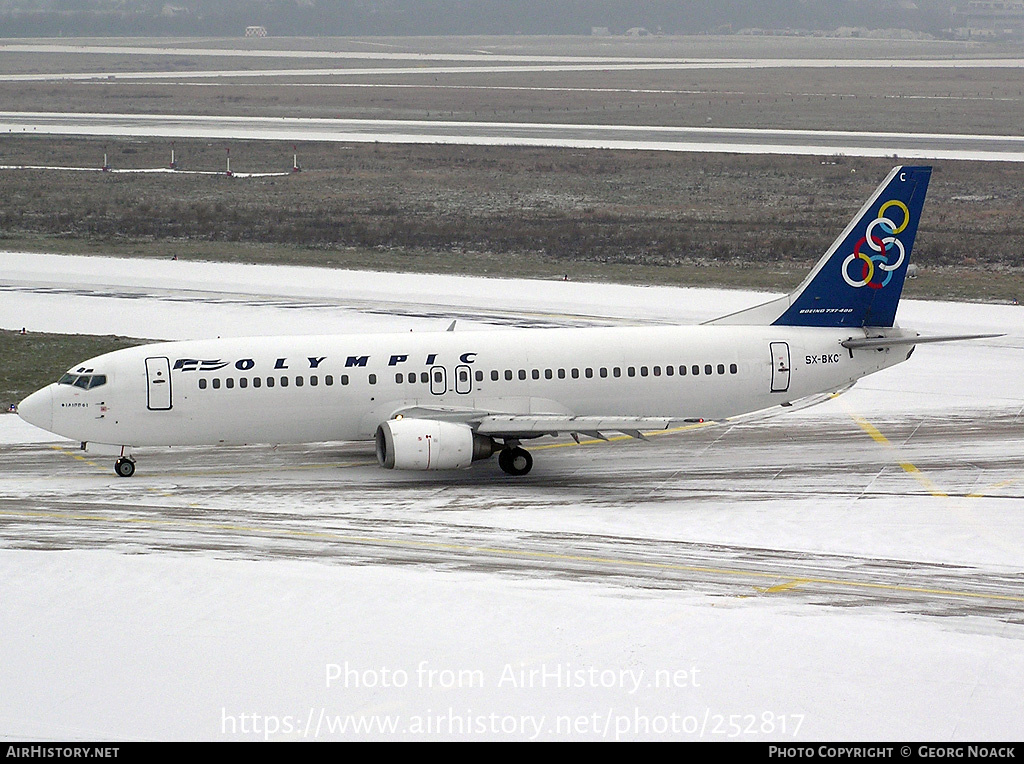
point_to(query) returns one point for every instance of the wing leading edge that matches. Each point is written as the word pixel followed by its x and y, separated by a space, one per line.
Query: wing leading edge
pixel 513 427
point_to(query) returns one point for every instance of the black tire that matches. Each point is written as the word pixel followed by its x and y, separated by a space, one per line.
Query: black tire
pixel 124 467
pixel 515 461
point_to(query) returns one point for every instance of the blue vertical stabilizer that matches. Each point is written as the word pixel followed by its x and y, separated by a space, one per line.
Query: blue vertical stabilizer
pixel 859 280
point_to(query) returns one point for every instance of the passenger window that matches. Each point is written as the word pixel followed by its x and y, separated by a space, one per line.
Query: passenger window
pixel 243 382
pixel 588 373
pixel 535 373
pixel 522 373
pixel 314 380
pixel 284 381
pixel 561 373
pixel 721 368
pixel 657 371
pixel 202 384
pixel 479 376
pixel 298 382
pixel 344 379
pixel 508 373
pixel 424 377
pixel 412 377
pixel 733 368
pixel 575 373
pixel 257 381
pixel 682 371
pixel 229 382
pixel 669 371
pixel 399 377
pixel 270 381
pixel 695 369
pixel 548 374
pixel 494 375
pixel 373 379
pixel 707 368
pixel 616 372
pixel 329 380
pixel 604 372
pixel 216 384
pixel 643 371
pixel 631 371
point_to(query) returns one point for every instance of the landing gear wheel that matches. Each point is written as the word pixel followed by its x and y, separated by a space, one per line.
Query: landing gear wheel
pixel 124 467
pixel 515 461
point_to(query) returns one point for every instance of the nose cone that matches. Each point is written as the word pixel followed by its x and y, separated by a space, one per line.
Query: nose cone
pixel 37 409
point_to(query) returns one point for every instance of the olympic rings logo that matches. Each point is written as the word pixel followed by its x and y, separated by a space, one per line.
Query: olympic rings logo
pixel 885 245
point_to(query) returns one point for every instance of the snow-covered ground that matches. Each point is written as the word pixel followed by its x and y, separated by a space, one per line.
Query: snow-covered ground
pixel 99 644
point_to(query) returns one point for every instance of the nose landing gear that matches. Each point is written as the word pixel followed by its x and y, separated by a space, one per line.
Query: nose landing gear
pixel 124 467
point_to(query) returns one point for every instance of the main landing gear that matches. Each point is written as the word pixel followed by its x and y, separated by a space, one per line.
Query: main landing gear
pixel 124 467
pixel 515 460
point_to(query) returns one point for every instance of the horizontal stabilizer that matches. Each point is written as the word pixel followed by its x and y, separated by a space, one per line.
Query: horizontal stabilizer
pixel 885 342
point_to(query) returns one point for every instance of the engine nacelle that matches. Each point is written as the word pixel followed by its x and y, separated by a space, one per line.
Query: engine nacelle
pixel 427 444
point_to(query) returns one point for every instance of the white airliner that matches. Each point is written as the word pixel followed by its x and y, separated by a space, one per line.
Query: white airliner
pixel 440 400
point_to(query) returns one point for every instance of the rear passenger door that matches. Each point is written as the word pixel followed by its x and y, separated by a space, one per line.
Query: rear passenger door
pixel 780 367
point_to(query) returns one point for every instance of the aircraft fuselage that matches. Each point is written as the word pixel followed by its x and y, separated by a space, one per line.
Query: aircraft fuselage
pixel 320 388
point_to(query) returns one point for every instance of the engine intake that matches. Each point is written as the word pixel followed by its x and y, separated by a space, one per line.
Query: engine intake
pixel 427 444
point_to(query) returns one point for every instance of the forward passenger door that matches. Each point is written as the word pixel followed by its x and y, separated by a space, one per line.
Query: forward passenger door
pixel 158 384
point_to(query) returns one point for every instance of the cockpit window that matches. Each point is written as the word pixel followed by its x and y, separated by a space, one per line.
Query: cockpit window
pixel 84 381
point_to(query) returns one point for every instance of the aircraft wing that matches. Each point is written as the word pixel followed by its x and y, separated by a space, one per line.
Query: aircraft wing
pixel 505 425
pixel 533 425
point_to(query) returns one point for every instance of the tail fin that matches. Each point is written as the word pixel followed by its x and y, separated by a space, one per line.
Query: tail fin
pixel 859 280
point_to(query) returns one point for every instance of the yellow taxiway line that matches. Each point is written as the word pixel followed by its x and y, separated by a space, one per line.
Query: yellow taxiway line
pixel 907 467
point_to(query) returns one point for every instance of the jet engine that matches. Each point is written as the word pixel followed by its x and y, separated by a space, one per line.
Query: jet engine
pixel 427 444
